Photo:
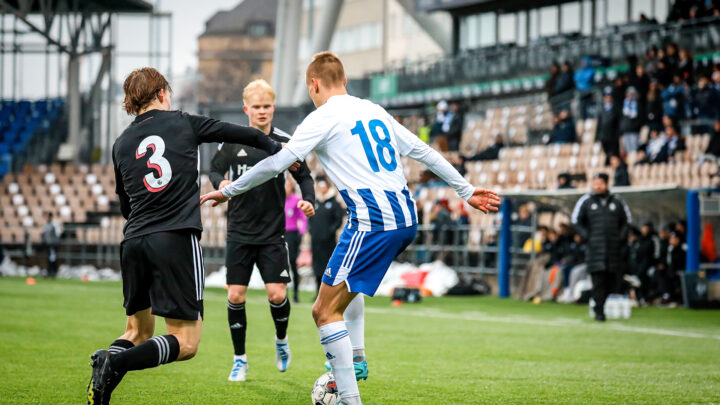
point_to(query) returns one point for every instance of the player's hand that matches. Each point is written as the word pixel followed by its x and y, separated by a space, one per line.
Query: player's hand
pixel 223 184
pixel 294 166
pixel 484 200
pixel 306 208
pixel 216 197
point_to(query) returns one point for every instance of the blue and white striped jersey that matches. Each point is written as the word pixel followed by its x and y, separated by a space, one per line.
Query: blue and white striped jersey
pixel 359 145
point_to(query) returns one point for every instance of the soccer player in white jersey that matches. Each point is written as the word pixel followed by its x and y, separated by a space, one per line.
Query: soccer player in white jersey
pixel 359 145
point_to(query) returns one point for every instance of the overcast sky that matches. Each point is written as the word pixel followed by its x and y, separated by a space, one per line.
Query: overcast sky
pixel 133 34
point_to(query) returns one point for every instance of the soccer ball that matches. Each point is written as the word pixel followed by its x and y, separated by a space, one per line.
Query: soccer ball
pixel 324 391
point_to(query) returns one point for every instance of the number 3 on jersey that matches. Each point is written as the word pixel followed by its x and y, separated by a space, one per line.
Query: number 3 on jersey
pixel 383 144
pixel 156 161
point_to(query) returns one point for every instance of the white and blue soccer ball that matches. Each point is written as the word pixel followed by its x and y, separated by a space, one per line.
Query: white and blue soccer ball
pixel 325 391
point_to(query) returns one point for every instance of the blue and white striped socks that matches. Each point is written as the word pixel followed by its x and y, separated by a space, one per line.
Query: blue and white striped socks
pixel 335 341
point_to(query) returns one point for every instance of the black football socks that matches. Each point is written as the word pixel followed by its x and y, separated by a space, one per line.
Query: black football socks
pixel 237 320
pixel 159 350
pixel 281 316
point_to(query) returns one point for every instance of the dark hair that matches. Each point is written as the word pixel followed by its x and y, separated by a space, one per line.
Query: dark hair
pixel 141 87
pixel 602 176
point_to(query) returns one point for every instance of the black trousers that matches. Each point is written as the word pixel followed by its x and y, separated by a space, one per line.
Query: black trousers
pixel 293 239
pixel 322 250
pixel 604 284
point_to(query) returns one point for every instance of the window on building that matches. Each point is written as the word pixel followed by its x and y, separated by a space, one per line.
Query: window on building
pixel 586 17
pixel 258 30
pixel 570 17
pixel 507 28
pixel 548 21
pixel 617 12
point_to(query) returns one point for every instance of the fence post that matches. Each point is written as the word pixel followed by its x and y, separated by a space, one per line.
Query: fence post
pixel 504 251
pixel 692 208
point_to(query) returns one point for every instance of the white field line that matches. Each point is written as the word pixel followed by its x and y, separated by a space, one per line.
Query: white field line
pixel 562 322
pixel 476 316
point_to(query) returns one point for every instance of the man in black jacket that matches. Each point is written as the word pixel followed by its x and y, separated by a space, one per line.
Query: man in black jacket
pixel 601 219
pixel 324 224
pixel 608 124
pixel 648 256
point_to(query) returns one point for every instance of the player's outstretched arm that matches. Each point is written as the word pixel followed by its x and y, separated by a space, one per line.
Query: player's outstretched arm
pixel 212 130
pixel 265 170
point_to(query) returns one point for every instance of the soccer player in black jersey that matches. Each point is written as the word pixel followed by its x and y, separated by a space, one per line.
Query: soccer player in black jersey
pixel 256 229
pixel 156 172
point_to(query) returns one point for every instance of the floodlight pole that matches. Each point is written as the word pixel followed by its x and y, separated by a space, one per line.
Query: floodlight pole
pixel 504 249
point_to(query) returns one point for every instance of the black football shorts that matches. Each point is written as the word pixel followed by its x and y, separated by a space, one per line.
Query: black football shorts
pixel 164 271
pixel 272 260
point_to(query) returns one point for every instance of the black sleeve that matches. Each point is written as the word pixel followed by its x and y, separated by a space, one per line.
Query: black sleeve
pixel 212 130
pixel 120 190
pixel 304 180
pixel 579 221
pixel 219 165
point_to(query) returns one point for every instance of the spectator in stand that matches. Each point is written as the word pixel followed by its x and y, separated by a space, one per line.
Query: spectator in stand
pixel 621 177
pixel 453 126
pixel 463 220
pixel 680 11
pixel 50 241
pixel 646 20
pixel 323 227
pixel 651 62
pixel 584 81
pixel 423 131
pixel 714 145
pixel 654 150
pixel 607 125
pixel 602 219
pixel 686 68
pixel 564 129
pixel 491 153
pixel 654 106
pixel 671 58
pixel 552 80
pixel 674 99
pixel 641 82
pixel 619 88
pixel 563 88
pixel 675 143
pixel 442 120
pixel 523 219
pixel 714 9
pixel 442 223
pixel 563 181
pixel 630 123
pixel 705 105
pixel 664 73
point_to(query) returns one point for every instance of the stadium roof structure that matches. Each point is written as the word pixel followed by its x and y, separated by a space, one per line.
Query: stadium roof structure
pixel 645 202
pixel 90 6
pixel 481 6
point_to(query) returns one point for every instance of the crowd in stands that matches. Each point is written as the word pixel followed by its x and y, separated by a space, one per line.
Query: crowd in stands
pixel 653 258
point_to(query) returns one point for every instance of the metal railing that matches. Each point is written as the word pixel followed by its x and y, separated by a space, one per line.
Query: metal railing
pixel 509 61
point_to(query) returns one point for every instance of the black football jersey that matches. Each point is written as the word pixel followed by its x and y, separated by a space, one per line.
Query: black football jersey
pixel 157 167
pixel 257 216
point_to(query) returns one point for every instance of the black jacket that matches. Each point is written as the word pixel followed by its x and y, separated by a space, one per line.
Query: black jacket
pixel 327 219
pixel 714 145
pixel 563 132
pixel 622 178
pixel 608 124
pixel 602 222
pixel 258 216
pixel 648 253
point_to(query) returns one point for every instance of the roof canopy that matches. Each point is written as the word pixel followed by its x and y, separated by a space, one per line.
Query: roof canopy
pixel 662 202
pixel 63 6
pixel 481 6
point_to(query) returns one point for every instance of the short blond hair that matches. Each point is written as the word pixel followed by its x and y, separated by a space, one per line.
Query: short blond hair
pixel 327 68
pixel 258 86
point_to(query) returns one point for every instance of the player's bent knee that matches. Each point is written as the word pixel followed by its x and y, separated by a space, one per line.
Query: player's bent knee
pixel 236 297
pixel 188 350
pixel 276 297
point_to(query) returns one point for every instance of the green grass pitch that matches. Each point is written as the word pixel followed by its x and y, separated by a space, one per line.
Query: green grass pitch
pixel 441 351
